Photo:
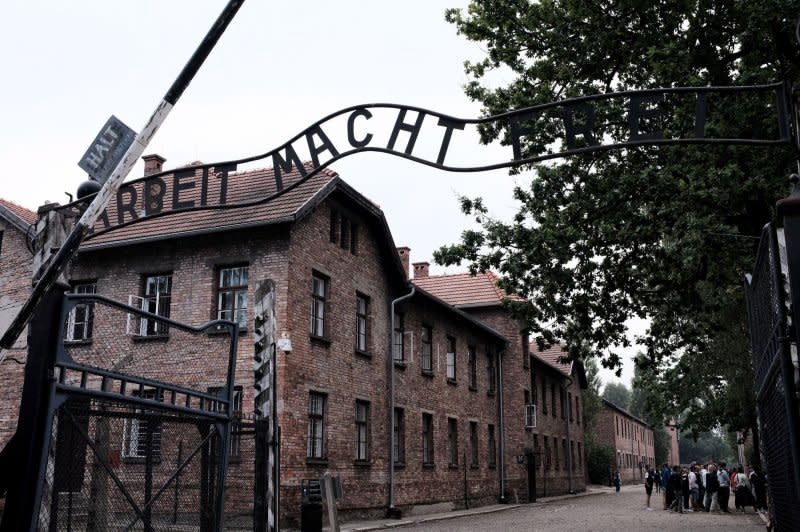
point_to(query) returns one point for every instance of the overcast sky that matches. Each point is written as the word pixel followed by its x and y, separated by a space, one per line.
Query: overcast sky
pixel 279 67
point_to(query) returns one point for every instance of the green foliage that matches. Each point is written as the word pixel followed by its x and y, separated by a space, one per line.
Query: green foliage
pixel 617 393
pixel 664 233
pixel 661 444
pixel 708 447
pixel 599 459
pixel 591 402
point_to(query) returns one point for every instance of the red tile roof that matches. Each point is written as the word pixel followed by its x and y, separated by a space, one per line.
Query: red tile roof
pixel 243 207
pixel 464 289
pixel 551 357
pixel 26 215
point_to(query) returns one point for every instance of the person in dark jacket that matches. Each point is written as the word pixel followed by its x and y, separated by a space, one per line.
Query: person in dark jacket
pixel 665 473
pixel 712 486
pixel 675 486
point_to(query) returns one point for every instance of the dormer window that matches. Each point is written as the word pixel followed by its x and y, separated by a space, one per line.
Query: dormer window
pixel 344 232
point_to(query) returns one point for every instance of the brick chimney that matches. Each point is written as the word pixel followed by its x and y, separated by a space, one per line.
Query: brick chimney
pixel 152 164
pixel 421 269
pixel 405 258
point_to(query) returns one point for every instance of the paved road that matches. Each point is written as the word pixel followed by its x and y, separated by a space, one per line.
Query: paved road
pixel 601 512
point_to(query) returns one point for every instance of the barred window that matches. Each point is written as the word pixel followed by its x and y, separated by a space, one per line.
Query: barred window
pixel 362 308
pixel 427 439
pixel 473 367
pixel 491 448
pixel 362 431
pixel 236 410
pixel 398 350
pixel 81 317
pixel 156 300
pixel 452 442
pixel 473 443
pixel 316 426
pixel 451 358
pixel 142 431
pixel 399 449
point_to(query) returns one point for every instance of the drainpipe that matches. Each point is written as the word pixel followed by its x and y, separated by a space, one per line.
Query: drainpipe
pixel 569 442
pixel 502 439
pixel 390 510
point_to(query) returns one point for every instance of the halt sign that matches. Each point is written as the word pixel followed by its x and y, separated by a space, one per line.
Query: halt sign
pixel 107 149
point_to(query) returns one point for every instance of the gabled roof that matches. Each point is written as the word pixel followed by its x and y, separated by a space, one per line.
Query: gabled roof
pixel 246 205
pixel 621 410
pixel 17 215
pixel 551 357
pixel 464 290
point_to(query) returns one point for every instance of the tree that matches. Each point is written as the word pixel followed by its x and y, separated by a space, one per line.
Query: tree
pixel 617 393
pixel 664 233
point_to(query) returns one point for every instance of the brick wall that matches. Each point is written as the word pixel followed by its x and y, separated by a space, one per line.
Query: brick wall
pixel 631 440
pixel 15 285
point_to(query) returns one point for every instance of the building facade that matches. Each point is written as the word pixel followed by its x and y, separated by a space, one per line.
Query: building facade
pixel 429 406
pixel 631 439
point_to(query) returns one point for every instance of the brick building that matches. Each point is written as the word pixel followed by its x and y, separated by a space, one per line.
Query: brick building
pixel 631 439
pixel 16 269
pixel 532 377
pixel 462 370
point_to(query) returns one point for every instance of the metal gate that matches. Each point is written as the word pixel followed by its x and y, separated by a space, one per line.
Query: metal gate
pixel 140 412
pixel 774 370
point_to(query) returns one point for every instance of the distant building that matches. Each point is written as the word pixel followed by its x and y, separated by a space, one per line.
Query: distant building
pixel 631 439
pixel 674 442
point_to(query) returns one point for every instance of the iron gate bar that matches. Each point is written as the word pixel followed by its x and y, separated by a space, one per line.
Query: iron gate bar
pixel 105 466
pixel 174 476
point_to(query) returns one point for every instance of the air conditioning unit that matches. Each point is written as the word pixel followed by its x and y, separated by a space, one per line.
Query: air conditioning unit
pixel 530 416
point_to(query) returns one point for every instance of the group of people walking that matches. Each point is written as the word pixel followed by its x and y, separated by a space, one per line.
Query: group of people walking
pixel 701 488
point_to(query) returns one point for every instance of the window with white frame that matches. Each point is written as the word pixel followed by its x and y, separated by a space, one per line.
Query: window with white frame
pixel 232 295
pixel 398 350
pixel 426 339
pixel 156 300
pixel 319 295
pixel 451 359
pixel 79 321
pixel 316 426
pixel 141 432
pixel 362 321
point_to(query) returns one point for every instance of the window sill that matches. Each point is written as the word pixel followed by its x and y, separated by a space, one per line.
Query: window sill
pixel 399 364
pixel 490 393
pixel 452 467
pixel 132 460
pixel 427 373
pixel 223 331
pixel 322 340
pixel 429 466
pixel 363 354
pixel 362 463
pixel 399 465
pixel 315 462
pixel 473 389
pixel 77 343
pixel 452 382
pixel 492 466
pixel 474 466
pixel 151 338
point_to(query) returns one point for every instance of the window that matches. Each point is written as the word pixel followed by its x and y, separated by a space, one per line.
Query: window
pixel 534 395
pixel 473 367
pixel 563 396
pixel 232 295
pixel 426 339
pixel 451 359
pixel 555 453
pixel 491 371
pixel 452 442
pixel 544 397
pixel 156 300
pixel 548 460
pixel 362 431
pixel 141 432
pixel 580 456
pixel 236 409
pixel 399 450
pixel 427 439
pixel 565 452
pixel 362 313
pixel 316 426
pixel 491 448
pixel 398 347
pixel 319 294
pixel 525 351
pixel 79 321
pixel 344 232
pixel 473 444
pixel 536 449
pixel 553 397
pixel 577 409
pixel 569 401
